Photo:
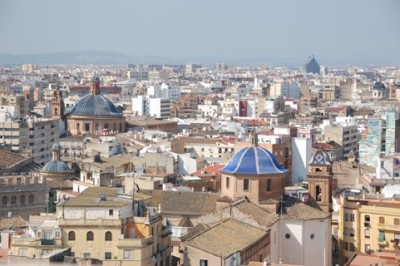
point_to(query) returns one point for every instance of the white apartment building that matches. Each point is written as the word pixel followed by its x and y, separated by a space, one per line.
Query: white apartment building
pixel 30 137
pixel 155 107
pixel 209 109
pixel 171 92
pixel 230 107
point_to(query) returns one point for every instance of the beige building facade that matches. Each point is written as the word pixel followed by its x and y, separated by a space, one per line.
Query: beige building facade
pixel 367 226
pixel 100 225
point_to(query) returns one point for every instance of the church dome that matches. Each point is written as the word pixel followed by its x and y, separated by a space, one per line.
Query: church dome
pixel 379 86
pixel 56 166
pixel 253 160
pixel 56 147
pixel 95 104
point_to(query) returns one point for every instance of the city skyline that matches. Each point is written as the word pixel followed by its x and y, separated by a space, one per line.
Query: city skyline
pixel 241 32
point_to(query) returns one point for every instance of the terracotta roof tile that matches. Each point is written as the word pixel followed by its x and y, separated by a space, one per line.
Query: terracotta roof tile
pixel 226 238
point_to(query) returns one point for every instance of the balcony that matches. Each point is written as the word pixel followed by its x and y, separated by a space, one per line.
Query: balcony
pixel 382 242
pixel 47 242
pixel 134 242
pixel 389 227
pixel 35 242
pixel 90 222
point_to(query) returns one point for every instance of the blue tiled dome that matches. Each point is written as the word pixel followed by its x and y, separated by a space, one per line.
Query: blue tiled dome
pixel 95 105
pixel 56 147
pixel 253 160
pixel 379 86
pixel 56 166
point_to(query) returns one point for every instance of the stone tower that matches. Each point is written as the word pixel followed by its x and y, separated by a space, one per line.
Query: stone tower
pixel 57 104
pixel 320 181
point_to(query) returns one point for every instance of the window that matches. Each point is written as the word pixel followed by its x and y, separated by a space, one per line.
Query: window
pixel 351 232
pixel 318 193
pixel 367 220
pixel 111 212
pixel 108 236
pixel 352 247
pixel 128 254
pixel 351 217
pixel 246 184
pixel 22 200
pixel 58 233
pixel 13 200
pixel 381 219
pixel 31 198
pixel 381 236
pixel 396 221
pixel 227 182
pixel 86 255
pixel 287 236
pixel 367 233
pixel 4 201
pixel 268 185
pixel 89 236
pixel 71 236
pixel 203 262
pixel 346 217
pixel 346 246
pixel 108 255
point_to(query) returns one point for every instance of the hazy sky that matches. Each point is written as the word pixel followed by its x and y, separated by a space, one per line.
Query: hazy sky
pixel 336 31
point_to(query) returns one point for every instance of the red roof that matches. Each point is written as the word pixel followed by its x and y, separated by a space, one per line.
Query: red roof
pixel 209 169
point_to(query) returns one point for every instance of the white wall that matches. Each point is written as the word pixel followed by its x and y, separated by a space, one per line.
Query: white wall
pixel 301 156
pixel 317 250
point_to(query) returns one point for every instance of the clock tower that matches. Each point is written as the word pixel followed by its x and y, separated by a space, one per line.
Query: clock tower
pixel 320 181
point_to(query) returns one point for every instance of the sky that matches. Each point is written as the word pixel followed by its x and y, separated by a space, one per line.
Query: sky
pixel 336 31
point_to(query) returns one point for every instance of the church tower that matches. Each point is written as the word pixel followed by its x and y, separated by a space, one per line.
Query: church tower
pixel 320 181
pixel 57 104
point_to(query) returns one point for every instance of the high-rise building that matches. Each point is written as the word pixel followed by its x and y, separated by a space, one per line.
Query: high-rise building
pixel 312 66
pixel 382 138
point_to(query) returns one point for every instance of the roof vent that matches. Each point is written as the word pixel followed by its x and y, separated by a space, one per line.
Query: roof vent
pixel 103 198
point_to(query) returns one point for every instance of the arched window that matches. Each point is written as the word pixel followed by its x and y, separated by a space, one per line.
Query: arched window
pixel 4 201
pixel 89 236
pixel 318 193
pixel 71 236
pixel 108 236
pixel 31 198
pixel 14 200
pixel 22 199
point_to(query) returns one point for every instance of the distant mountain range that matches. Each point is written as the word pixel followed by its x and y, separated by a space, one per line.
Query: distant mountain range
pixel 83 58
pixel 114 58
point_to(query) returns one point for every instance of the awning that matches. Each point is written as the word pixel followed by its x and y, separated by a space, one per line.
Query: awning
pixel 58 251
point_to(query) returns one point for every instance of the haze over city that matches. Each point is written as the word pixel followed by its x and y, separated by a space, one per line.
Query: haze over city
pixel 238 32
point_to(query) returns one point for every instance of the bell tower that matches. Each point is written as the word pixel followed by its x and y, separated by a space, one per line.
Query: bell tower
pixel 57 104
pixel 320 181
